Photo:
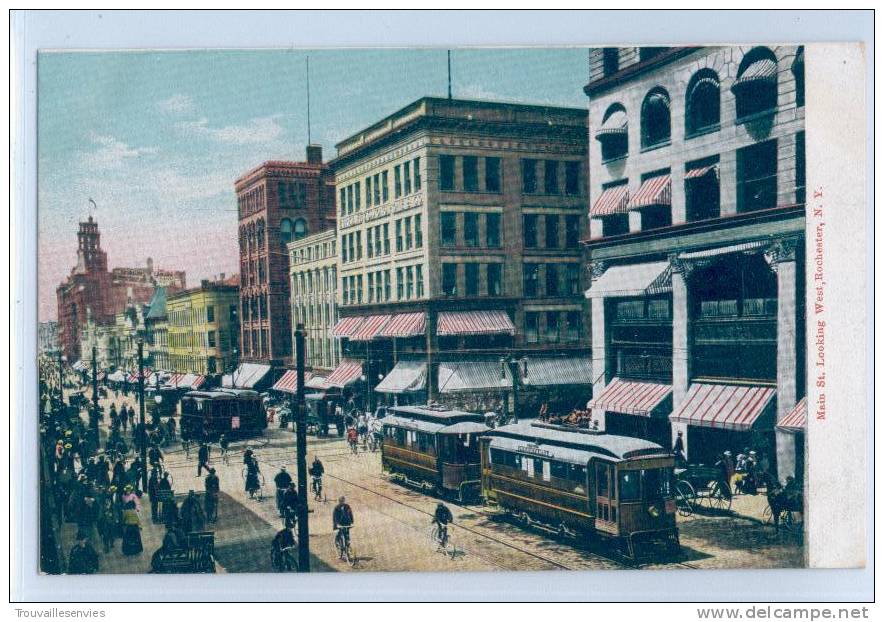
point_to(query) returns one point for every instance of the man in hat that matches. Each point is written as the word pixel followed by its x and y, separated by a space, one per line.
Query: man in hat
pixel 282 481
pixel 82 559
pixel 202 459
pixel 192 516
pixel 153 483
pixel 213 492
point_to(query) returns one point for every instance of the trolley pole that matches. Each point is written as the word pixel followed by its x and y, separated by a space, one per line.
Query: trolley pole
pixel 301 442
pixel 143 433
pixel 95 398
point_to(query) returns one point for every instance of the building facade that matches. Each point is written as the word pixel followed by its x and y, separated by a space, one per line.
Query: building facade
pixel 313 269
pixel 203 329
pixel 278 202
pixel 47 337
pixel 458 234
pixel 696 248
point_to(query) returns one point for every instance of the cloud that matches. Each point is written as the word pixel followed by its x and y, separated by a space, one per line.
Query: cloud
pixel 256 131
pixel 111 153
pixel 177 104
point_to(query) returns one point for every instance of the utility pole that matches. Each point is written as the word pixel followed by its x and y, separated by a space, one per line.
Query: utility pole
pixel 143 434
pixel 60 376
pixel 301 443
pixel 449 74
pixel 95 398
pixel 514 372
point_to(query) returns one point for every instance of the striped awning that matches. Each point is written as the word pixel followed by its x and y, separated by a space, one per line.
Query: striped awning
pixel 175 379
pixel 246 376
pixel 725 407
pixel 370 327
pixel 347 326
pixel 701 171
pixel 288 382
pixel 638 279
pixel 761 71
pixel 405 325
pixel 614 200
pixel 345 373
pixel 191 381
pixel 631 397
pixel 557 370
pixel 405 376
pixel 796 420
pixel 654 191
pixel 725 250
pixel 133 376
pixel 616 124
pixel 451 323
pixel 473 375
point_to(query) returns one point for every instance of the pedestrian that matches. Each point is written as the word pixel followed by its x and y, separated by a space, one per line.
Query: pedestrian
pixel 83 559
pixel 678 449
pixel 192 517
pixel 107 521
pixel 253 474
pixel 153 483
pixel 202 459
pixel 131 530
pixel 154 456
pixel 213 492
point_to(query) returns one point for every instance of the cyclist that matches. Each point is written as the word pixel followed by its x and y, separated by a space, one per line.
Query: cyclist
pixel 316 471
pixel 441 517
pixel 342 520
pixel 352 438
pixel 282 480
pixel 290 501
pixel 154 456
pixel 376 429
pixel 281 548
pixel 362 429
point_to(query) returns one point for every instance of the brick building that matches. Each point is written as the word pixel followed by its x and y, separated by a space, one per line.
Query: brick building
pixel 202 329
pixel 696 248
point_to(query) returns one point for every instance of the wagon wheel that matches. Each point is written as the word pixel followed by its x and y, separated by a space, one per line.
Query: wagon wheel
pixel 685 497
pixel 717 499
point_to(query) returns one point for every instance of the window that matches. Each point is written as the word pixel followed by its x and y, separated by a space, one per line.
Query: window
pixel 613 133
pixel 448 222
pixel 647 53
pixel 400 283
pixel 385 188
pixel 356 193
pixel 629 488
pixel 407 174
pixel 377 189
pixel 755 88
pixel 573 327
pixel 397 181
pixel 572 278
pixel 210 313
pixel 345 288
pixel 358 235
pixel 551 230
pixel 532 324
pixel 757 176
pixel 378 285
pixel 211 339
pixel 702 195
pixel 656 127
pixel 492 174
pixel 572 231
pixel 418 232
pixel 552 327
pixel 471 173
pixel 350 199
pixel 371 287
pixel 552 279
pixel 703 106
pixel 529 176
pixel 550 177
pixel 359 289
pixel 471 279
pixel 387 285
pixel 417 174
pixel 399 246
pixel 368 191
pixel 471 228
pixel 378 244
pixel 610 60
pixel 530 276
pixel 408 231
pixel 369 242
pixel 285 230
pixel 800 169
pixel 572 178
pixel 449 279
pixel 409 282
pixel 494 279
pixel 798 72
pixel 492 230
pixel 386 238
pixel 419 278
pixel 529 230
pixel 446 172
pixel 618 224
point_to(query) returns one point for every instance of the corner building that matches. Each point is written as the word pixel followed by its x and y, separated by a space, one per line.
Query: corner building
pixel 696 249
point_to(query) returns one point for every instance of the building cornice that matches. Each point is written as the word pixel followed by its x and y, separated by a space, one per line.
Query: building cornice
pixel 607 83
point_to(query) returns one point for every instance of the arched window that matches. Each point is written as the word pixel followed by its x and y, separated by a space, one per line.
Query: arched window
pixel 613 133
pixel 755 88
pixel 798 72
pixel 260 233
pixel 703 103
pixel 300 228
pixel 656 125
pixel 242 239
pixel 285 230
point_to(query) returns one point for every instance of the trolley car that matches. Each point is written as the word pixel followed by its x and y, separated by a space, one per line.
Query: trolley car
pixel 434 449
pixel 236 413
pixel 582 484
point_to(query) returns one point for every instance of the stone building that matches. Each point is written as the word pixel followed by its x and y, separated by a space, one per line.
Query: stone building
pixel 458 235
pixel 203 329
pixel 696 246
pixel 47 337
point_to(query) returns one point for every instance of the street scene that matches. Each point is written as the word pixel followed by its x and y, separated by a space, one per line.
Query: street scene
pixel 534 313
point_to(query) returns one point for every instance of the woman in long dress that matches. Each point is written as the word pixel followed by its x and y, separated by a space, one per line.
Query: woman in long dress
pixel 131 530
pixel 253 484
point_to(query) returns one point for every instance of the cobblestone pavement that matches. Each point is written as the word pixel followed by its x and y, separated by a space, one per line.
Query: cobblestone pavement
pixel 393 523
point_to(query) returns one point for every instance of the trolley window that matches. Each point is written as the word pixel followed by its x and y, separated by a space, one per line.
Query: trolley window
pixel 630 485
pixel 656 483
pixel 566 471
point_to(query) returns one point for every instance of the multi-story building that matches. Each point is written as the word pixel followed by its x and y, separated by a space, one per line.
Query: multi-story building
pixel 313 268
pixel 47 337
pixel 156 331
pixel 696 250
pixel 203 329
pixel 458 234
pixel 103 336
pixel 278 202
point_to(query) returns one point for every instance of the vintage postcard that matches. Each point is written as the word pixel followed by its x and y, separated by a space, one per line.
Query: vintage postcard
pixel 468 309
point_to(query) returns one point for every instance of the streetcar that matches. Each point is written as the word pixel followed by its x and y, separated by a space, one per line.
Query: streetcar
pixel 236 413
pixel 434 449
pixel 583 484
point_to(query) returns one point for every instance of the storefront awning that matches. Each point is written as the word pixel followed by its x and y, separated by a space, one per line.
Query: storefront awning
pixel 638 279
pixel 347 326
pixel 759 72
pixel 654 191
pixel 133 377
pixel 246 376
pixel 796 420
pixel 288 382
pixel 744 247
pixel 631 397
pixel 175 380
pixel 557 370
pixel 613 200
pixel 615 125
pixel 404 377
pixel 701 171
pixel 369 328
pixel 472 376
pixel 405 325
pixel 317 382
pixel 452 323
pixel 192 382
pixel 346 373
pixel 724 406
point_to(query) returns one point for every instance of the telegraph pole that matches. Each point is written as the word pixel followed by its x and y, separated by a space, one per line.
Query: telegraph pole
pixel 95 398
pixel 143 439
pixel 301 442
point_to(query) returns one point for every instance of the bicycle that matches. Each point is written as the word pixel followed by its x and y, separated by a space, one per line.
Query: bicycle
pixel 284 559
pixel 316 485
pixel 343 546
pixel 259 492
pixel 439 536
pixel 185 445
pixel 354 447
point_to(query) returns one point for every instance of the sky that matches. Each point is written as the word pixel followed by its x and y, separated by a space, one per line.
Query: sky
pixel 157 139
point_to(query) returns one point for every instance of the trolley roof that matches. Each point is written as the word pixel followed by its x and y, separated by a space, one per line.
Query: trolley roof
pixel 434 427
pixel 220 394
pixel 436 414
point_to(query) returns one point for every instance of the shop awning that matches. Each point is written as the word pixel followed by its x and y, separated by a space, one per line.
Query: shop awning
pixel 472 376
pixel 288 382
pixel 405 376
pixel 347 326
pixel 744 247
pixel 759 72
pixel 556 370
pixel 193 382
pixel 724 406
pixel 369 328
pixel 133 377
pixel 615 125
pixel 613 200
pixel 317 382
pixel 246 376
pixel 347 372
pixel 630 397
pixel 117 376
pixel 175 380
pixel 405 325
pixel 451 323
pixel 654 191
pixel 638 279
pixel 796 420
pixel 701 171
